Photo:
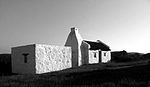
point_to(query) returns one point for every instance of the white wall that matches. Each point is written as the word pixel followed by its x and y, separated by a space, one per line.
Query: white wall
pixel 93 56
pixel 18 64
pixel 74 40
pixel 52 58
pixel 105 56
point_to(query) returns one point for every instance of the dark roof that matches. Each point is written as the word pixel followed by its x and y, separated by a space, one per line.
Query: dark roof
pixel 97 45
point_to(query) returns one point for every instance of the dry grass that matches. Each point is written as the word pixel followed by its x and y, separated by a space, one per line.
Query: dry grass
pixel 96 75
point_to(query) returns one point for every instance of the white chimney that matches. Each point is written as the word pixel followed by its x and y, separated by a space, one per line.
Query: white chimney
pixel 74 29
pixel 74 40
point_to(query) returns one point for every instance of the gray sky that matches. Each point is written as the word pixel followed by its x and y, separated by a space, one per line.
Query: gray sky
pixel 122 24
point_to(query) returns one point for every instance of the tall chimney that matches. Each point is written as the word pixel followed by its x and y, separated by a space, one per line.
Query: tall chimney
pixel 74 40
pixel 74 29
pixel 98 41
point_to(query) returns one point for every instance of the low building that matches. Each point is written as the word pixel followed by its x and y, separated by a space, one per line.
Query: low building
pixel 99 51
pixel 87 52
pixel 40 58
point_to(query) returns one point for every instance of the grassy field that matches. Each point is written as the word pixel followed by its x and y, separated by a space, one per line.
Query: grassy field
pixel 96 75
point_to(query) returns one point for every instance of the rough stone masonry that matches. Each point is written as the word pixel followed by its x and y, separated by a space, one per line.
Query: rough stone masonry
pixel 40 59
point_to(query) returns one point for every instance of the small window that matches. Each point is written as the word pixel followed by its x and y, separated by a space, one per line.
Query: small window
pixel 95 54
pixel 104 54
pixel 25 57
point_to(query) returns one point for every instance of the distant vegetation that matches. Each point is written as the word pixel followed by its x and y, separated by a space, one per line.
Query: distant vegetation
pixel 5 64
pixel 123 56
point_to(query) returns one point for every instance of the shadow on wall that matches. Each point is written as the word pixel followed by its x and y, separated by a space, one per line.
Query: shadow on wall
pixel 5 64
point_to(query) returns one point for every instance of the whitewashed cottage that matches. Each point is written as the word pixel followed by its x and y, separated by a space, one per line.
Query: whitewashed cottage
pixel 87 52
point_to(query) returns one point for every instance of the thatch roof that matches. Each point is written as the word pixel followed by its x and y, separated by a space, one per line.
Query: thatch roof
pixel 98 45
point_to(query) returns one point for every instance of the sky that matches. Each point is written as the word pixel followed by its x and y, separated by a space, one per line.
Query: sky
pixel 121 24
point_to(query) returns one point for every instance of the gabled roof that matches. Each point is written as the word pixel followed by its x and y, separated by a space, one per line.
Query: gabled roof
pixel 97 45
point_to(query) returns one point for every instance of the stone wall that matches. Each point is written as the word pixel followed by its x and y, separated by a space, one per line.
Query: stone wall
pixel 93 56
pixel 19 64
pixel 52 58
